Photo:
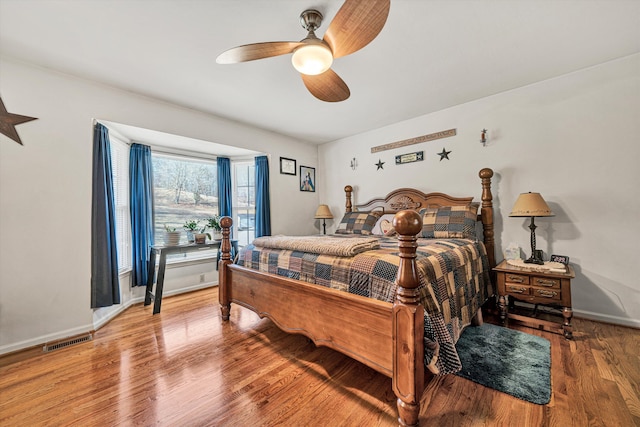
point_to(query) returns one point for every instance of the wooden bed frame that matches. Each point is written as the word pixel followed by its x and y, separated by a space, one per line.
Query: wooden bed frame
pixel 386 337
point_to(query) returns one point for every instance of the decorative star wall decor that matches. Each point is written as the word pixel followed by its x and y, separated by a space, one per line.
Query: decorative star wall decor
pixel 379 164
pixel 444 154
pixel 9 121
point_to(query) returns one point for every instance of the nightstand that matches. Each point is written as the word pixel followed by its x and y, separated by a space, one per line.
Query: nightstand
pixel 538 287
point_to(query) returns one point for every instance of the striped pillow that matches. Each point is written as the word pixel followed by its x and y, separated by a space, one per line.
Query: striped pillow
pixel 450 222
pixel 357 223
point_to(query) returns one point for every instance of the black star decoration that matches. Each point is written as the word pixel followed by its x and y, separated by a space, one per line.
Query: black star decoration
pixel 379 164
pixel 444 154
pixel 8 122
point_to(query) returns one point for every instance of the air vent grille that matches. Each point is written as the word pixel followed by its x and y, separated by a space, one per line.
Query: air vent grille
pixel 66 343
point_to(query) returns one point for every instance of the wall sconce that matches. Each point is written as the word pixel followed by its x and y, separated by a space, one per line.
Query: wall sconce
pixel 483 137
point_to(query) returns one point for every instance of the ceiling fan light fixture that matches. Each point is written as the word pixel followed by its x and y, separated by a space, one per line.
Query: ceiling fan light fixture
pixel 312 58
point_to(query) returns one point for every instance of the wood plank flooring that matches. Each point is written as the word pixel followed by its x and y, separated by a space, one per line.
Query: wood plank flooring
pixel 185 367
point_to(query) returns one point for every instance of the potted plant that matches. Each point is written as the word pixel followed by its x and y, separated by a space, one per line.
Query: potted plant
pixel 201 235
pixel 191 227
pixel 171 236
pixel 214 224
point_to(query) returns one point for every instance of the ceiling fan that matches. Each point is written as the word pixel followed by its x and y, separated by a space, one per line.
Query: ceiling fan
pixel 355 25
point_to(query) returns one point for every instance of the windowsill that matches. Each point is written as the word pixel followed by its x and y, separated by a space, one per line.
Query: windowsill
pixel 124 271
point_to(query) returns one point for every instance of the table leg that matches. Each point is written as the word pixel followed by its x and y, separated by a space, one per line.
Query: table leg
pixel 151 271
pixel 567 329
pixel 502 308
pixel 160 283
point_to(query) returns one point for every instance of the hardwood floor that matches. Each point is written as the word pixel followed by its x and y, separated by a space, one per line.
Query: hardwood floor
pixel 185 367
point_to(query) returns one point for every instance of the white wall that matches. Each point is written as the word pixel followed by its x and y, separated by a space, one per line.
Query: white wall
pixel 574 139
pixel 45 192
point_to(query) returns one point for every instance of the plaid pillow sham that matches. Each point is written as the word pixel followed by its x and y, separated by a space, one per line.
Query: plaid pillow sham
pixel 357 223
pixel 450 222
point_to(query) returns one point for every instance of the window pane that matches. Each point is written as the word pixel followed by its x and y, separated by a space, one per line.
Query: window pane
pixel 244 212
pixel 185 189
pixel 120 176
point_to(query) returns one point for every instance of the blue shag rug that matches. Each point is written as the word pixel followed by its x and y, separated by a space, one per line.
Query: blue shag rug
pixel 509 361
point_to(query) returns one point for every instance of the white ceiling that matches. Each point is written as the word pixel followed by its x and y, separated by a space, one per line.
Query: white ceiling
pixel 431 55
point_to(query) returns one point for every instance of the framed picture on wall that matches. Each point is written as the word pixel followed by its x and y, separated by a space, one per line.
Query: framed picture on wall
pixel 287 166
pixel 307 178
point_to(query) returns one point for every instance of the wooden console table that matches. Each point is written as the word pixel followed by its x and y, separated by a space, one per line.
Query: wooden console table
pixel 163 251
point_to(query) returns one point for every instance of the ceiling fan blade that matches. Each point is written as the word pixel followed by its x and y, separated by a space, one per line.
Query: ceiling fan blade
pixel 327 86
pixel 250 52
pixel 355 25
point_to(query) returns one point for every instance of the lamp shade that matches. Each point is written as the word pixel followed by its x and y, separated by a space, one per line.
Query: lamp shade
pixel 530 204
pixel 323 212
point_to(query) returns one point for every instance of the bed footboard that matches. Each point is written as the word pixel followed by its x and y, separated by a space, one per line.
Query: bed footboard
pixel 377 326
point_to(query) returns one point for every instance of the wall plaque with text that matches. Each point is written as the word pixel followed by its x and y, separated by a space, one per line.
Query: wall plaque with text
pixel 410 157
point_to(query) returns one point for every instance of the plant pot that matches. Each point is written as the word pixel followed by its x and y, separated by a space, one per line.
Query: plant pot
pixel 172 238
pixel 190 237
pixel 200 238
pixel 217 234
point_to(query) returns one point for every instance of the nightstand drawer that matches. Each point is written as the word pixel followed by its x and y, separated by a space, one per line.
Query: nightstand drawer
pixel 547 294
pixel 516 279
pixel 546 282
pixel 518 289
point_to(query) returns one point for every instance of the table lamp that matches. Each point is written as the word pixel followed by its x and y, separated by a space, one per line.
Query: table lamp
pixel 533 205
pixel 323 213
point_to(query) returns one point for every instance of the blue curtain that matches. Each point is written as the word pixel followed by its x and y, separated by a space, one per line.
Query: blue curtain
pixel 141 205
pixel 105 288
pixel 263 206
pixel 224 187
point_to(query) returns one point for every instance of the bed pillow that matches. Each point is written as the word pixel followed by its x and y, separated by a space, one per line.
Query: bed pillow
pixel 357 223
pixel 450 222
pixel 387 228
pixel 384 226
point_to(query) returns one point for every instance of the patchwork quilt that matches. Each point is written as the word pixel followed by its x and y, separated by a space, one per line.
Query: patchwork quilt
pixel 454 283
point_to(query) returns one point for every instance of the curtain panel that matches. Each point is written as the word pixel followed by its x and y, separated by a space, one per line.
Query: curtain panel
pixel 263 205
pixel 105 287
pixel 225 190
pixel 141 205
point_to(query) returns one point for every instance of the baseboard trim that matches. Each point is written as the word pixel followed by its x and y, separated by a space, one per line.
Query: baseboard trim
pixel 43 339
pixel 90 328
pixel 137 300
pixel 605 318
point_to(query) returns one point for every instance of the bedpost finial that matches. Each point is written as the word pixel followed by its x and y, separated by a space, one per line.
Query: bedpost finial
pixel 408 223
pixel 226 222
pixel 347 192
pixel 485 173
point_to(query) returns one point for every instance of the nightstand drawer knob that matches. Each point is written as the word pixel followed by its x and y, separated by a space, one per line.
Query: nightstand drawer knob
pixel 546 282
pixel 546 294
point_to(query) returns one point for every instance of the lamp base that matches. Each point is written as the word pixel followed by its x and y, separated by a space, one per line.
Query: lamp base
pixel 536 255
pixel 536 258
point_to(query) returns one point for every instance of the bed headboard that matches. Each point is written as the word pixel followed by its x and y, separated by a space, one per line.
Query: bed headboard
pixel 412 199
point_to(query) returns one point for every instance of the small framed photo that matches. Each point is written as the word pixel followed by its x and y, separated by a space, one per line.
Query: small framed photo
pixel 307 178
pixel 560 258
pixel 287 166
